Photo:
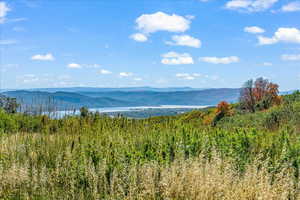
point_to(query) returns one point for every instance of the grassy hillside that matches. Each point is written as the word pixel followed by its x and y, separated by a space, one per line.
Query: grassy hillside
pixel 243 156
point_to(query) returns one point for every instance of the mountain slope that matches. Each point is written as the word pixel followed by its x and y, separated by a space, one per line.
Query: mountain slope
pixel 64 100
pixel 68 100
pixel 203 97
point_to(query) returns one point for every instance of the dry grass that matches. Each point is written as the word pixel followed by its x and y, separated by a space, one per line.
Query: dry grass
pixel 190 179
pixel 218 180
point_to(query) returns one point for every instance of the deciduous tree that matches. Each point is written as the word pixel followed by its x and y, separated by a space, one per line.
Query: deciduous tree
pixel 259 95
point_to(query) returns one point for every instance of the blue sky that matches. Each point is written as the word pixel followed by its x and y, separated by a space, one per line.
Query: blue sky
pixel 159 43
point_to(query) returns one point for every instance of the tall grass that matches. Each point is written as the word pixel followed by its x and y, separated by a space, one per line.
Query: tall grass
pixel 97 157
pixel 188 179
pixel 161 158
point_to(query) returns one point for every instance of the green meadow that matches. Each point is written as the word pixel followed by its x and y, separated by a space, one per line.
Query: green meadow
pixel 214 153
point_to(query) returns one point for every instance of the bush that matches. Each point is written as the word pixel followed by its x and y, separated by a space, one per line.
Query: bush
pixel 277 116
pixel 8 124
pixel 223 109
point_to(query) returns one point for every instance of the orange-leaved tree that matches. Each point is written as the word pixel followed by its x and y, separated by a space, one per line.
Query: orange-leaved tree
pixel 259 95
pixel 223 109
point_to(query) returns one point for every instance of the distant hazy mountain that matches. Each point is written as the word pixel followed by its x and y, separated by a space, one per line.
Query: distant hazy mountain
pixel 128 89
pixel 63 100
pixel 92 99
pixel 202 97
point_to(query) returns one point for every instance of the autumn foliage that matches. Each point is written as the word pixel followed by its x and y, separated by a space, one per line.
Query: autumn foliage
pixel 259 95
pixel 223 109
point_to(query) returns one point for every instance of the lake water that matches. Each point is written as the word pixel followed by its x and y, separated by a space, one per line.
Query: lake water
pixel 104 110
pixel 141 108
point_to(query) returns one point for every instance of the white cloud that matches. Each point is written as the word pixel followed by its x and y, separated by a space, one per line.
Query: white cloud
pixel 138 79
pixel 139 37
pixel 196 74
pixel 267 64
pixel 254 29
pixel 250 5
pixel 126 74
pixel 4 9
pixel 46 57
pixel 185 40
pixel 187 76
pixel 220 60
pixel 151 23
pixel 87 66
pixel 173 58
pixel 182 74
pixel 288 35
pixel 74 66
pixel 104 72
pixel 291 57
pixel 8 42
pixel 266 41
pixel 291 7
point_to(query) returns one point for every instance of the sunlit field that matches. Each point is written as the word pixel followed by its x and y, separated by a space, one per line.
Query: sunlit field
pixel 243 156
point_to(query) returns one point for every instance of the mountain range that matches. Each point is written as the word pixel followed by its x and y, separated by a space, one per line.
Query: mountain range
pixel 74 98
pixel 124 89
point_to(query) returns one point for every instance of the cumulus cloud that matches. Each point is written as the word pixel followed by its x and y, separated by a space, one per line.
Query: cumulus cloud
pixel 254 29
pixel 138 79
pixel 288 35
pixel 139 37
pixel 104 72
pixel 46 57
pixel 173 58
pixel 4 9
pixel 126 74
pixel 290 57
pixel 266 41
pixel 291 7
pixel 220 60
pixel 185 40
pixel 250 5
pixel 74 66
pixel 160 21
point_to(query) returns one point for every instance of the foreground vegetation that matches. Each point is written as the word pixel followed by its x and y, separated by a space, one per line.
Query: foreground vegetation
pixel 218 153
